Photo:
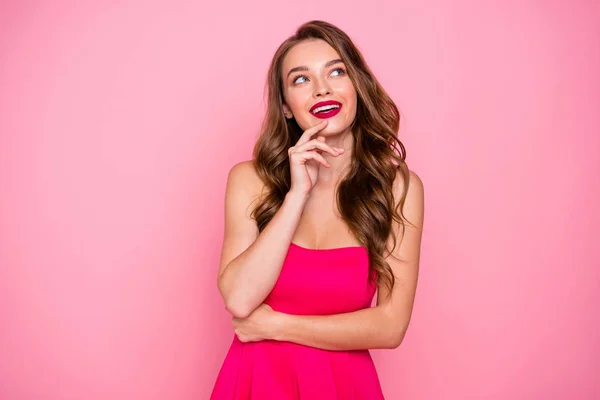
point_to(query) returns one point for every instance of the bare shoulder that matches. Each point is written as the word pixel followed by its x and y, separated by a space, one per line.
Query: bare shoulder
pixel 404 257
pixel 244 188
pixel 243 180
pixel 415 196
pixel 245 173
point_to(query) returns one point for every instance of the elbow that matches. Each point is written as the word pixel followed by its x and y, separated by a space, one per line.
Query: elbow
pixel 238 309
pixel 233 304
pixel 394 330
pixel 237 302
pixel 395 337
pixel 395 341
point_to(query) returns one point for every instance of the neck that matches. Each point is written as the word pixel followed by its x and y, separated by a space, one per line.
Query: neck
pixel 339 164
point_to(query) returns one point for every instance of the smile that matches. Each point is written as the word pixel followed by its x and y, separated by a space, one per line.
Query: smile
pixel 326 109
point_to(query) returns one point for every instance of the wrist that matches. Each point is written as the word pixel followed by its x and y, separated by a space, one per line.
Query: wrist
pixel 296 196
pixel 280 328
pixel 295 202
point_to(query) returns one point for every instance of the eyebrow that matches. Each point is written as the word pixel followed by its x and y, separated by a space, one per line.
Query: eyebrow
pixel 304 68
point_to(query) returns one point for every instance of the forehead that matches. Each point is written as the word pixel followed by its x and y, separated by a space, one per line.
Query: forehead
pixel 312 53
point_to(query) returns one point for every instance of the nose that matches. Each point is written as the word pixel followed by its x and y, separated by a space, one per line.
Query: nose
pixel 322 89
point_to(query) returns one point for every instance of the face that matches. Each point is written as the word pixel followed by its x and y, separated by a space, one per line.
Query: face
pixel 316 86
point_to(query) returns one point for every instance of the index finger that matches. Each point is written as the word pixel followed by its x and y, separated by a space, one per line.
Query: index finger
pixel 311 131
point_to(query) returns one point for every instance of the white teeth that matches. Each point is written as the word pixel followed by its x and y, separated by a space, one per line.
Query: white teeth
pixel 325 108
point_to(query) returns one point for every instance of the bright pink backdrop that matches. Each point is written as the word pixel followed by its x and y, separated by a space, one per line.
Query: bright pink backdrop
pixel 119 123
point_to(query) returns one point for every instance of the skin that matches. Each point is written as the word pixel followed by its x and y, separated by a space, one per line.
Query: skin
pixel 382 326
pixel 303 89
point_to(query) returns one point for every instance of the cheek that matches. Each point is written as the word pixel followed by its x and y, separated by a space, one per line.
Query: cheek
pixel 348 92
pixel 296 99
pixel 351 104
pixel 297 107
pixel 352 109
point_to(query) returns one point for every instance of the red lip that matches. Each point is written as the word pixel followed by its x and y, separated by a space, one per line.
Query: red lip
pixel 325 103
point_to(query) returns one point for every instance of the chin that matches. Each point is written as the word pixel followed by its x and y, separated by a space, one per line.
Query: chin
pixel 329 129
pixel 335 128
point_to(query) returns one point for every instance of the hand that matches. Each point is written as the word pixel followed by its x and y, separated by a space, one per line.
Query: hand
pixel 262 324
pixel 305 157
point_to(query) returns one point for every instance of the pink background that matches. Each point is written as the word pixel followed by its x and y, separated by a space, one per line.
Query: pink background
pixel 119 123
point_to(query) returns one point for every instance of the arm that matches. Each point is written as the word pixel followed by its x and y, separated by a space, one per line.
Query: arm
pixel 382 326
pixel 370 328
pixel 251 262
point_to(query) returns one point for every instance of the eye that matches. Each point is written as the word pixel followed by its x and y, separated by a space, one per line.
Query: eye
pixel 298 77
pixel 341 70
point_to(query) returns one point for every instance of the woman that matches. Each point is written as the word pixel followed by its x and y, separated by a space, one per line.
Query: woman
pixel 324 215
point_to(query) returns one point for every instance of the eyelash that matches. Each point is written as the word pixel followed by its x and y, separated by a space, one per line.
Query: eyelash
pixel 304 76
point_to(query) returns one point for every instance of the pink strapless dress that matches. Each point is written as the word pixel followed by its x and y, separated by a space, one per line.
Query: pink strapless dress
pixel 312 282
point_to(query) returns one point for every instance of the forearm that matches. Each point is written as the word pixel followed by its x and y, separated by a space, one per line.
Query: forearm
pixel 370 328
pixel 250 277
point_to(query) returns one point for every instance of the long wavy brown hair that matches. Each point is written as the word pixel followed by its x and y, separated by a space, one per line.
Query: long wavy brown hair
pixel 365 194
